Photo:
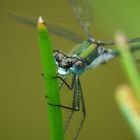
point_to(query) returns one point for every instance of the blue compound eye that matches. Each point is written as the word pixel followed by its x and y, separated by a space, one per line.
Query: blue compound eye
pixel 78 67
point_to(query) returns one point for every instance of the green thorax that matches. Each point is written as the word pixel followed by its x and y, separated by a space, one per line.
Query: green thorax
pixel 84 50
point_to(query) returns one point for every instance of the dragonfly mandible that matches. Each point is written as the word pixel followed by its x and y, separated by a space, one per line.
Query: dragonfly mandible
pixel 89 54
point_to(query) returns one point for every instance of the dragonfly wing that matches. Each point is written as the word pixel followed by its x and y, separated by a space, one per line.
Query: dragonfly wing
pixel 82 13
pixel 110 43
pixel 78 102
pixel 64 32
pixel 67 99
pixel 82 108
pixel 74 119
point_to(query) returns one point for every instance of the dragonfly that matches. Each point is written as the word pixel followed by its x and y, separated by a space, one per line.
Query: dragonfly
pixel 89 54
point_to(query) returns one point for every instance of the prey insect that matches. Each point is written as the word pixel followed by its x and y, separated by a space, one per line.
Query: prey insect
pixel 89 54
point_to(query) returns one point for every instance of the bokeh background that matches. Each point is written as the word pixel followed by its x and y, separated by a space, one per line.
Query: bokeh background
pixel 23 109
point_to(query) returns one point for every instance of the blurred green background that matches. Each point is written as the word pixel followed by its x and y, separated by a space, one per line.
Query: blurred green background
pixel 23 109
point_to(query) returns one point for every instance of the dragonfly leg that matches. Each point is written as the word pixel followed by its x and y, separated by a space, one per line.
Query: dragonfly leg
pixel 69 86
pixel 74 107
pixel 66 107
pixel 63 81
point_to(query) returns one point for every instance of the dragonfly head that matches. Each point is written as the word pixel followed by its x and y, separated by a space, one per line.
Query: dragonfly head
pixel 78 67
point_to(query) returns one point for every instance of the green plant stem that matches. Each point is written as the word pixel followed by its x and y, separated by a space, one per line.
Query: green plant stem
pixel 130 108
pixel 129 65
pixel 128 99
pixel 51 84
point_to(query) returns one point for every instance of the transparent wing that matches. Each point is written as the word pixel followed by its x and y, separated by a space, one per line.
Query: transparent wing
pixel 82 13
pixel 66 100
pixel 64 32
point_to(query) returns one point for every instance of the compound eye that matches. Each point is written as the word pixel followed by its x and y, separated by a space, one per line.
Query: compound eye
pixel 78 67
pixel 79 64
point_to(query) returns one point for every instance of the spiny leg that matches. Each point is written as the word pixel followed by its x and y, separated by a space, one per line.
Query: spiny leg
pixel 70 87
pixel 64 82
